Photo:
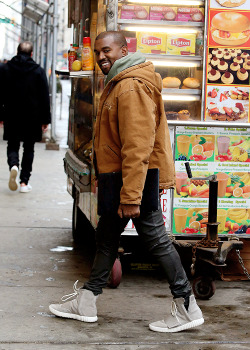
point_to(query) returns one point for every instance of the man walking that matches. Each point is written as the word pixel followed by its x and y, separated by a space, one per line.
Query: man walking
pixel 132 139
pixel 25 111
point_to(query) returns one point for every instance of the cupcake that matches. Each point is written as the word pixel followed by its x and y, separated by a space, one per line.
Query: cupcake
pixel 233 53
pixel 238 59
pixel 208 60
pixel 214 52
pixel 234 67
pixel 244 55
pixel 247 58
pixel 214 62
pixel 214 76
pixel 227 56
pixel 209 68
pixel 219 54
pixel 227 78
pixel 238 51
pixel 246 65
pixel 210 56
pixel 222 66
pixel 243 76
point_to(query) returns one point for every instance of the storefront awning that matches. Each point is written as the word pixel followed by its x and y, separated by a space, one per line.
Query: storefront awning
pixel 35 9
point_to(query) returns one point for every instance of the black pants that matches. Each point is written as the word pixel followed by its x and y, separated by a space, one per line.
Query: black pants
pixel 150 227
pixel 13 147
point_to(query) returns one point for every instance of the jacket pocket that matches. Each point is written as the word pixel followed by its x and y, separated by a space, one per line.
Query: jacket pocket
pixel 113 153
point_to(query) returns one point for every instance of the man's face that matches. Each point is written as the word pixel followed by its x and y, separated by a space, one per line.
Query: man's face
pixel 107 52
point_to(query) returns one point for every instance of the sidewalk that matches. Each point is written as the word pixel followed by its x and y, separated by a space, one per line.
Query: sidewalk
pixel 39 264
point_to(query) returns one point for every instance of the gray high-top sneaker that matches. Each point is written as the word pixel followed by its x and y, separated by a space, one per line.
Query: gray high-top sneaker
pixel 82 308
pixel 180 319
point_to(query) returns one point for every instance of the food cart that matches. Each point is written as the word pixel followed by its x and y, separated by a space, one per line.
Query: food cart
pixel 206 98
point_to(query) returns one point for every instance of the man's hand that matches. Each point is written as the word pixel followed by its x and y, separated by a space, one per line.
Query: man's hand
pixel 45 127
pixel 129 211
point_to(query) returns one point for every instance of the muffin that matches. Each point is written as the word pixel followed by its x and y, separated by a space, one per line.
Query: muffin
pixel 214 61
pixel 234 67
pixel 243 76
pixel 214 76
pixel 246 65
pixel 184 115
pixel 227 78
pixel 227 56
pixel 219 54
pixel 171 115
pixel 238 59
pixel 223 66
pixel 233 53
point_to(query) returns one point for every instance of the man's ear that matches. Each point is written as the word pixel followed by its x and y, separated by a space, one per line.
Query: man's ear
pixel 124 51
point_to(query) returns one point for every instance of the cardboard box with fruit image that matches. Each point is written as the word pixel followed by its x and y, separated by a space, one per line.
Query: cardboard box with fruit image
pixel 195 148
pixel 232 149
pixel 193 220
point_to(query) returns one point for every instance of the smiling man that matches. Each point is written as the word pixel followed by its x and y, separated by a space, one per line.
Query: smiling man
pixel 132 144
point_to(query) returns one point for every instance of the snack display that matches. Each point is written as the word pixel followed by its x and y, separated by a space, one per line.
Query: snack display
pixel 233 68
pixel 159 13
pixel 183 44
pixel 230 28
pixel 151 43
pixel 134 12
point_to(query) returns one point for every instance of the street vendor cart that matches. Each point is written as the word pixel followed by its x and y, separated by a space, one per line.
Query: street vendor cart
pixel 206 98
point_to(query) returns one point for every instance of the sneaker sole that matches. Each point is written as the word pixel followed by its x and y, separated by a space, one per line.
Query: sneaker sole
pixel 12 181
pixel 73 316
pixel 185 326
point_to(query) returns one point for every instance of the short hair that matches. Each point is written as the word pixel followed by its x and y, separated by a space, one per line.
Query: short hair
pixel 118 37
pixel 25 47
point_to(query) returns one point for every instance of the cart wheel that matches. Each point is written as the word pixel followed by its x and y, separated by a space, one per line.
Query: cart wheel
pixel 82 230
pixel 115 274
pixel 203 287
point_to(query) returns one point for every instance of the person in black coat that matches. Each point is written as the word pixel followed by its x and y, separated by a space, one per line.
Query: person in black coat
pixel 25 111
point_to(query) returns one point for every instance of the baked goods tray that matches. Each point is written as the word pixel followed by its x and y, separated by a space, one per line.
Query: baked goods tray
pixel 181 91
pixel 149 23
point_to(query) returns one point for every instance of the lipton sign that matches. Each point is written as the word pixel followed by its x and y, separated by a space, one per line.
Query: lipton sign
pixel 180 42
pixel 151 40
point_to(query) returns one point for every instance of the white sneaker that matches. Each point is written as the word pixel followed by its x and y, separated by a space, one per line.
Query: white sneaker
pixel 81 308
pixel 25 189
pixel 180 319
pixel 13 185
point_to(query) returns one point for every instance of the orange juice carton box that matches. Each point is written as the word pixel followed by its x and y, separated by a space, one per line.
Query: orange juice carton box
pixel 151 43
pixel 132 43
pixel 181 44
pixel 133 12
pixel 162 13
pixel 186 14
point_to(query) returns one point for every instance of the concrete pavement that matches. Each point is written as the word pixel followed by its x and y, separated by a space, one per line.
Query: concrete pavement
pixel 39 263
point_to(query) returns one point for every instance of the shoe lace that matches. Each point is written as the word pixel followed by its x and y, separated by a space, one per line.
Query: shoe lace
pixel 71 295
pixel 173 309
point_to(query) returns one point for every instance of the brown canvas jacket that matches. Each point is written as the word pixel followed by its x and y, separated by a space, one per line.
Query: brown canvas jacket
pixel 131 133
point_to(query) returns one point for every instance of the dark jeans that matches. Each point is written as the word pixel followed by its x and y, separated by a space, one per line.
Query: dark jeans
pixel 27 159
pixel 150 227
